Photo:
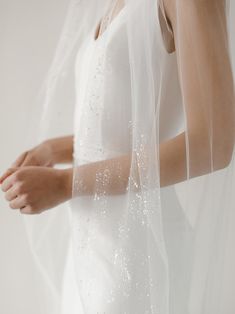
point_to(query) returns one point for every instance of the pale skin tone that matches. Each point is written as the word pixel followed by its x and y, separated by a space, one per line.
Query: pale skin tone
pixel 33 185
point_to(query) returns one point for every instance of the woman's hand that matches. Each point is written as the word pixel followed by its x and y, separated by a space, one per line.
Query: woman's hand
pixel 40 155
pixel 36 189
pixel 46 154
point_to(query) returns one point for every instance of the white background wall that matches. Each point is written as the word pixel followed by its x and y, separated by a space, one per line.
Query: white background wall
pixel 29 30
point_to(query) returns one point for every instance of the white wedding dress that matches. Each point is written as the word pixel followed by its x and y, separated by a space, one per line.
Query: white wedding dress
pixel 100 63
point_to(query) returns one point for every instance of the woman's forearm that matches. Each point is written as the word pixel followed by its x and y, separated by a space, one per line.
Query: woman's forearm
pixel 116 171
pixel 173 160
pixel 61 149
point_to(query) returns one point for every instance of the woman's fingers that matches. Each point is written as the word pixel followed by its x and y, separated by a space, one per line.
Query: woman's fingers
pixel 11 194
pixel 18 163
pixel 23 160
pixel 19 160
pixel 18 203
pixel 27 210
pixel 9 172
pixel 4 175
pixel 29 161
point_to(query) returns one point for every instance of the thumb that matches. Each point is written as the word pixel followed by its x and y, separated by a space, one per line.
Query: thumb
pixel 8 173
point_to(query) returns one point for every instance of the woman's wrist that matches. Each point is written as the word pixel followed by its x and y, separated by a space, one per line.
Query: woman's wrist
pixel 61 149
pixel 65 182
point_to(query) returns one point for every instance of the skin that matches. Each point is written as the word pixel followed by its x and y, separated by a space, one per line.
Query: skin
pixel 117 8
pixel 33 185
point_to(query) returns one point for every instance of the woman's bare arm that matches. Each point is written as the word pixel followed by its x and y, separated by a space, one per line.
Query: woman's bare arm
pixel 208 93
pixel 61 149
pixel 172 169
pixel 32 184
pixel 206 80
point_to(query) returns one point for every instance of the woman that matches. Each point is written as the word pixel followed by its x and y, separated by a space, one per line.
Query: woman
pixel 154 107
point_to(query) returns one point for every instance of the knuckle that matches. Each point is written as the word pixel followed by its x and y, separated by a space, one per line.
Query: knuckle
pixel 4 188
pixel 30 209
pixel 18 177
pixel 7 197
pixel 12 205
pixel 34 209
pixel 30 155
pixel 20 188
pixel 29 158
pixel 26 198
pixel 25 154
pixel 24 211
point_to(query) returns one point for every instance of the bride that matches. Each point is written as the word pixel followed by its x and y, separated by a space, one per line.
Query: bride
pixel 150 156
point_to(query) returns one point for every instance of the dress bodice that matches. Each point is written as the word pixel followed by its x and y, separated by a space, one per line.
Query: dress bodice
pixel 103 111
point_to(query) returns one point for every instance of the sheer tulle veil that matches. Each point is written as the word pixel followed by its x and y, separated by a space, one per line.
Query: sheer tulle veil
pixel 172 255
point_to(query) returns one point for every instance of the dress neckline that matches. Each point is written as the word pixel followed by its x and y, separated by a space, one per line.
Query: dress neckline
pixel 109 28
